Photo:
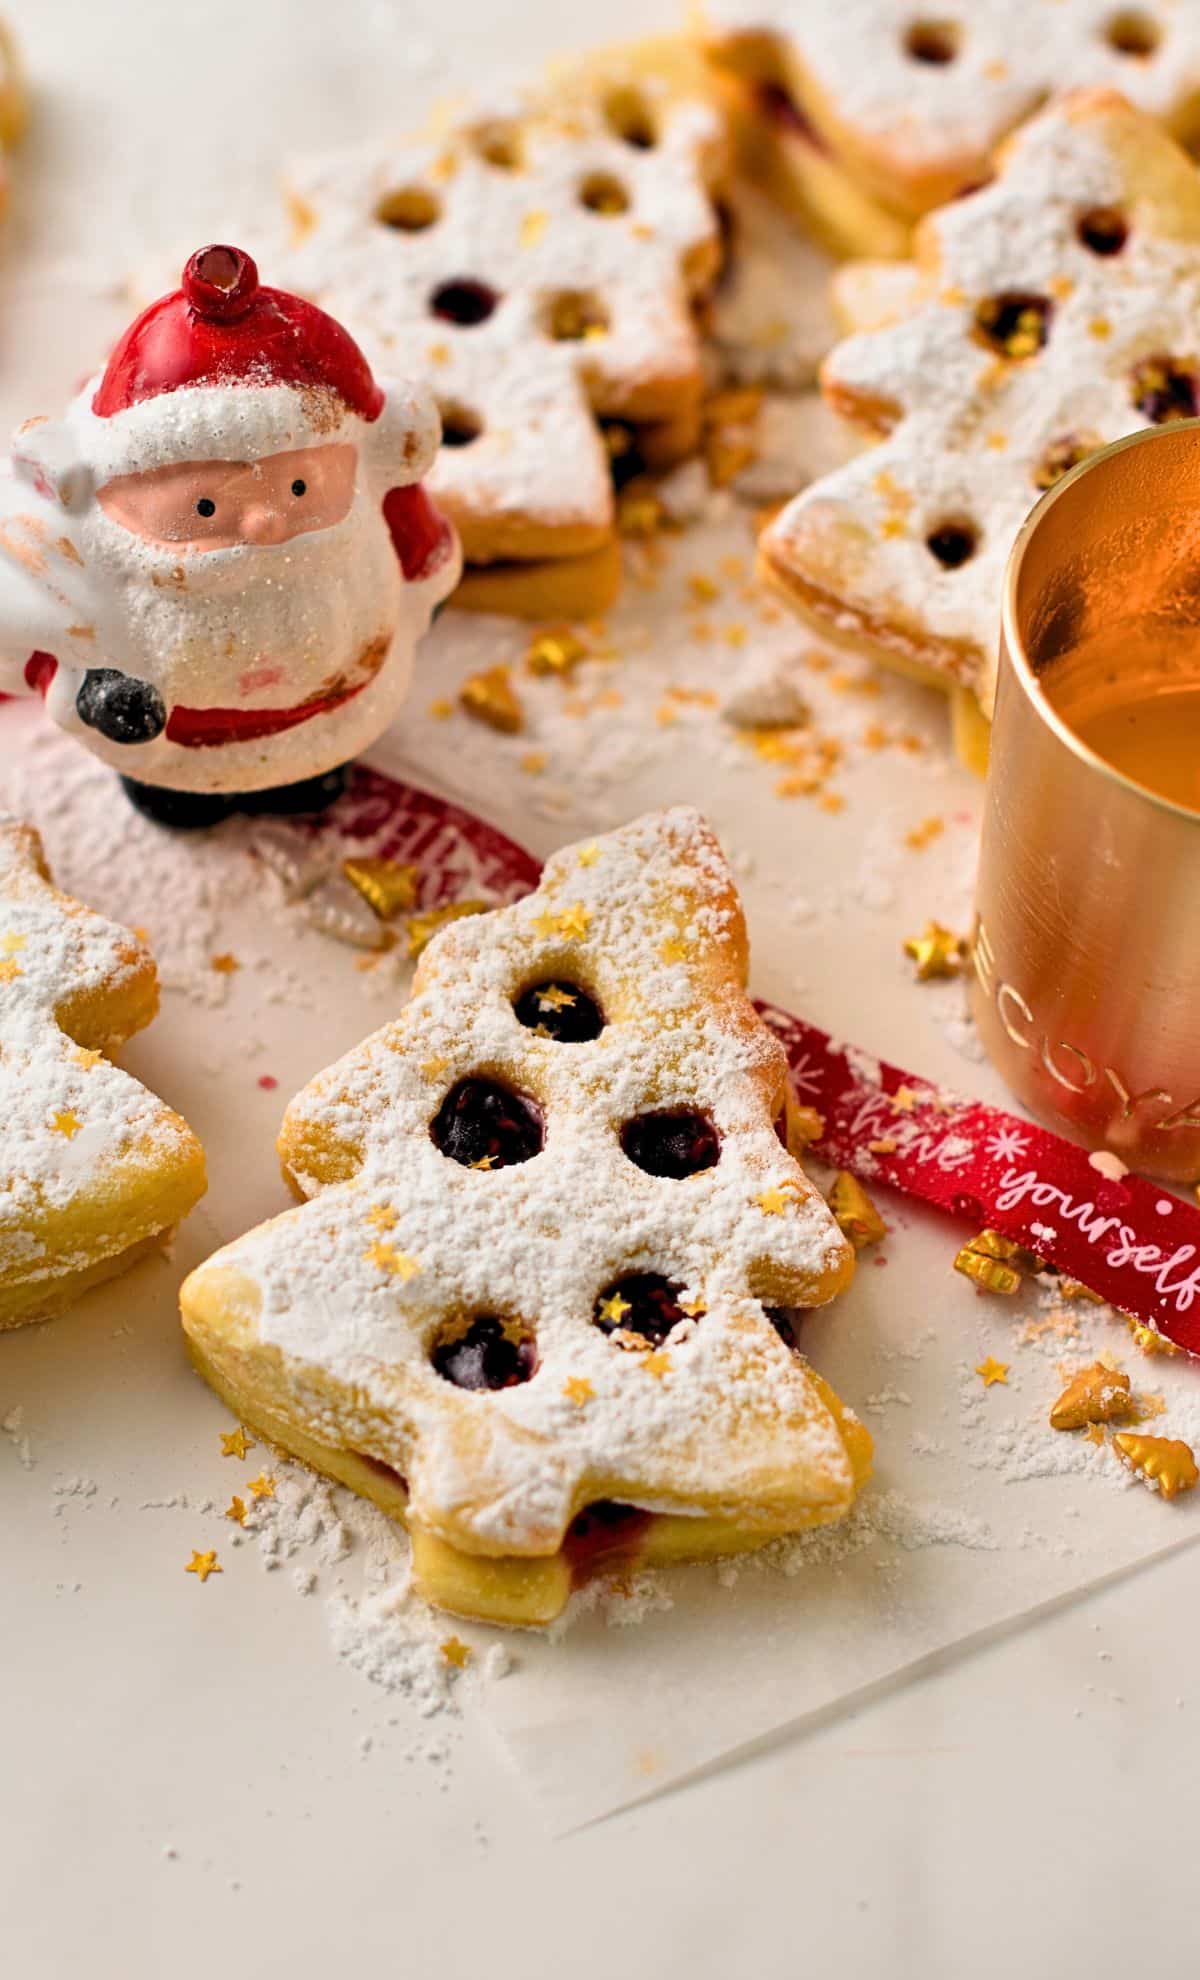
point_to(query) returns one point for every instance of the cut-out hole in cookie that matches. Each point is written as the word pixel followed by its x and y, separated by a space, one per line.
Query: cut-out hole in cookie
pixel 573 316
pixel 1015 323
pixel 464 302
pixel 640 1309
pixel 485 1353
pixel 1062 455
pixel 1165 389
pixel 460 426
pixel 672 1144
pixel 934 42
pixel 629 117
pixel 1133 32
pixel 561 1011
pixel 498 142
pixel 484 1125
pixel 603 193
pixel 409 209
pixel 1103 229
pixel 952 543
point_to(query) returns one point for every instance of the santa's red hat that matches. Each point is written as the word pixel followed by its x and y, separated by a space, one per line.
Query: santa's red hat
pixel 221 327
pixel 224 368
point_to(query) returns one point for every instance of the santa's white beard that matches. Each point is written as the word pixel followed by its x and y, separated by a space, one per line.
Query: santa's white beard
pixel 250 627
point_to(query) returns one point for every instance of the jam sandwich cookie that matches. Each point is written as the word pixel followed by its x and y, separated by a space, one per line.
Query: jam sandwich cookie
pixel 865 114
pixel 1051 312
pixel 94 1168
pixel 541 1301
pixel 541 260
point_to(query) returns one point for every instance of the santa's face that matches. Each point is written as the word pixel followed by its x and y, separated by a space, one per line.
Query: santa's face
pixel 261 584
pixel 198 506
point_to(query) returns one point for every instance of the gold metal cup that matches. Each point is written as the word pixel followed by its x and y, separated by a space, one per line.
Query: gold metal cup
pixel 1086 949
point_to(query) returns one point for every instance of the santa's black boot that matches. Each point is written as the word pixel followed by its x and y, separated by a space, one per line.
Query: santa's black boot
pixel 294 800
pixel 183 811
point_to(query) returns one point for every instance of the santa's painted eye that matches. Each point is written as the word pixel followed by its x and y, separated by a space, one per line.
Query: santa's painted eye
pixel 299 488
pixel 206 507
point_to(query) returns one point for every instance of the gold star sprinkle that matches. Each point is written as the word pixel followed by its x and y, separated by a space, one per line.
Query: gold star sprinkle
pixel 225 965
pixel 10 970
pixel 12 944
pixel 992 1371
pixel 67 1124
pixel 262 1487
pixel 1165 1461
pixel 1096 1395
pixel 86 1058
pixel 578 1389
pixel 855 1214
pixel 202 1565
pixel 573 922
pixel 694 1308
pixel 773 1202
pixel 545 925
pixel 386 1257
pixel 491 698
pixel 236 1510
pixel 456 1652
pixel 657 1364
pixel 235 1443
pixel 383 1217
pixel 384 884
pixel 673 952
pixel 434 1068
pixel 533 226
pixel 937 952
pixel 555 650
pixel 555 998
pixel 924 834
pixel 484 1162
pixel 589 854
pixel 614 1309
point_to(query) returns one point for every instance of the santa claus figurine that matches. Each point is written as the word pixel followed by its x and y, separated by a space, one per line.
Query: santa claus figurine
pixel 216 565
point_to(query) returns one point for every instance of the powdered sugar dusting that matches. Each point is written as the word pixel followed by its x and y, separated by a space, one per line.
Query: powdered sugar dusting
pixel 647 919
pixel 968 431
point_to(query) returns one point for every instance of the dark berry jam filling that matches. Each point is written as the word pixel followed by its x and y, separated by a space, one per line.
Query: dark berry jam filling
pixel 671 1144
pixel 561 1011
pixel 786 1322
pixel 1016 323
pixel 1103 229
pixel 490 1354
pixel 463 302
pixel 485 1125
pixel 1165 389
pixel 952 543
pixel 602 1534
pixel 642 1303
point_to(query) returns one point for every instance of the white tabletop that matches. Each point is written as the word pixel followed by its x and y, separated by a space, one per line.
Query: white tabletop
pixel 168 1810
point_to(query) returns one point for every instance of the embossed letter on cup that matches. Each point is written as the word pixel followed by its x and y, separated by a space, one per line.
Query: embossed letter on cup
pixel 1086 948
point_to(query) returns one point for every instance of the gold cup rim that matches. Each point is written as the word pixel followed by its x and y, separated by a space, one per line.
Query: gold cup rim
pixel 1013 639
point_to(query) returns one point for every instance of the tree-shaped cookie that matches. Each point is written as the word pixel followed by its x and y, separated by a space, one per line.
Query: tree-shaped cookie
pixel 1054 311
pixel 93 1168
pixel 908 105
pixel 538 260
pixel 536 1301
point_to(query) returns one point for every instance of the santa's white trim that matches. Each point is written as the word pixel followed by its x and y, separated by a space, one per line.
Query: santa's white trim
pixel 81 452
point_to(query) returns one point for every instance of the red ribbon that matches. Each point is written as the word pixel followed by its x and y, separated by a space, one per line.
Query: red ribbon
pixel 1124 1237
